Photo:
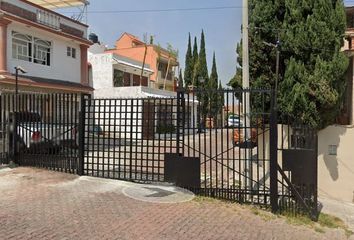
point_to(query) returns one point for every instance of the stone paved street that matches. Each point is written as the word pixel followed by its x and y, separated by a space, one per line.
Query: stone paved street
pixel 39 204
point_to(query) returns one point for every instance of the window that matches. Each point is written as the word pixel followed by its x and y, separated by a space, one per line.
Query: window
pixel 68 51
pixel 41 52
pixel 21 46
pixel 71 52
pixel 118 78
pixel 27 48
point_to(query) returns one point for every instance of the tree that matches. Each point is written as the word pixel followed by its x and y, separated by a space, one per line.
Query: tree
pixel 180 79
pixel 172 54
pixel 195 59
pixel 312 68
pixel 201 67
pixel 213 86
pixel 189 66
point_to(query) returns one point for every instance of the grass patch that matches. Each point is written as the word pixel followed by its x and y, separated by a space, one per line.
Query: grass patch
pixel 12 165
pixel 266 216
pixel 324 221
pixel 330 221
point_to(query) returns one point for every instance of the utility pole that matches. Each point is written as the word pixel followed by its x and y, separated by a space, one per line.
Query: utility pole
pixel 246 97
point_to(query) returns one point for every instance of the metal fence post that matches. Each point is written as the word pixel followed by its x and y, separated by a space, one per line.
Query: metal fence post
pixel 178 119
pixel 273 157
pixel 82 113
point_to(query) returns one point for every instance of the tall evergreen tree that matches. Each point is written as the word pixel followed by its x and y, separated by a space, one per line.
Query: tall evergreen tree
pixel 201 68
pixel 189 66
pixel 201 79
pixel 312 68
pixel 195 58
pixel 180 79
pixel 213 86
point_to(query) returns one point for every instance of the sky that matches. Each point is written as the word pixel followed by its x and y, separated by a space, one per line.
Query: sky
pixel 221 26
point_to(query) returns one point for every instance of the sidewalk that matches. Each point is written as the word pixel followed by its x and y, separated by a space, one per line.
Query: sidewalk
pixel 343 210
pixel 40 204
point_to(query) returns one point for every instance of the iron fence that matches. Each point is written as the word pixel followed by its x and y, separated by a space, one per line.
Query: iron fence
pixel 210 142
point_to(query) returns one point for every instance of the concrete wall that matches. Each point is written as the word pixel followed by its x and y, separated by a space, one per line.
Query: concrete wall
pixel 336 172
pixel 102 72
pixel 61 67
pixel 121 119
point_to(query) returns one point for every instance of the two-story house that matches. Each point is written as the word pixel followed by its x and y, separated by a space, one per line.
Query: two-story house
pixel 335 143
pixel 51 47
pixel 160 60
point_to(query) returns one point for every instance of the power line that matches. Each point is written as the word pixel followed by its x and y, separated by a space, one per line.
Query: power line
pixel 165 10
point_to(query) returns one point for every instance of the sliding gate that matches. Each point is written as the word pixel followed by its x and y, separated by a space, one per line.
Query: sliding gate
pixel 226 144
pixel 232 146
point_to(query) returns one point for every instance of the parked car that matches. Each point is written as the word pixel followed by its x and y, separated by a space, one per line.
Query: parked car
pixel 234 121
pixel 33 133
pixel 239 139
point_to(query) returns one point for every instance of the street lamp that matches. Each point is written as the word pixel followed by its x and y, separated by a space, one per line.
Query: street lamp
pixel 18 69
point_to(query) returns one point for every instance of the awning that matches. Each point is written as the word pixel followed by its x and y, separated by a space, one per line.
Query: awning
pixel 129 64
pixel 54 4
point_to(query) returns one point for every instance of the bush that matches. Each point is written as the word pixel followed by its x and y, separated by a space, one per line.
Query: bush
pixel 166 128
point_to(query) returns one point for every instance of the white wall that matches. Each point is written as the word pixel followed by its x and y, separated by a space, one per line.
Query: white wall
pixel 102 72
pixel 336 172
pixel 121 118
pixel 61 67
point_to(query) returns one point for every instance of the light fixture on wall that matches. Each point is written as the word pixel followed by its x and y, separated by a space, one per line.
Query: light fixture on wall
pixel 18 69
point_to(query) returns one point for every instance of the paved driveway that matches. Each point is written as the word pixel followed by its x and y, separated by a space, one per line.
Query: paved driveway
pixel 39 204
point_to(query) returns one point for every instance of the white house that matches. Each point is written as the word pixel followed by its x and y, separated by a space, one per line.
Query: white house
pixel 140 106
pixel 51 47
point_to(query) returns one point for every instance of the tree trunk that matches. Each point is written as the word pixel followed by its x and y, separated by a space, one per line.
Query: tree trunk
pixel 168 67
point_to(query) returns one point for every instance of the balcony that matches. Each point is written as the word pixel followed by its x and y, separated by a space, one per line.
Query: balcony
pixel 44 17
pixel 162 75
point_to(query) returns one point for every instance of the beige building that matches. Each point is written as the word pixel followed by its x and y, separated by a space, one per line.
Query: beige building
pixel 336 142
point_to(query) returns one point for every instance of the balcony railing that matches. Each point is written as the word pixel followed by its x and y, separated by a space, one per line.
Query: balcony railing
pixel 48 19
pixel 162 76
pixel 43 17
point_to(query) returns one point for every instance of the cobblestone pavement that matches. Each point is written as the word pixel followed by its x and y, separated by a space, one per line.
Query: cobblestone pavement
pixel 39 204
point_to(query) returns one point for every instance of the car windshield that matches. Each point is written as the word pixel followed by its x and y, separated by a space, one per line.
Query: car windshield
pixel 26 117
pixel 234 117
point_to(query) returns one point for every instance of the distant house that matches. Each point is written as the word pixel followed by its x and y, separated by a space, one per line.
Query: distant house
pixel 160 60
pixel 51 47
pixel 118 77
pixel 335 143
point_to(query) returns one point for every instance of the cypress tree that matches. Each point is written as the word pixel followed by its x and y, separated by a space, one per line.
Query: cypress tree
pixel 312 67
pixel 201 68
pixel 180 79
pixel 201 73
pixel 213 86
pixel 189 66
pixel 195 59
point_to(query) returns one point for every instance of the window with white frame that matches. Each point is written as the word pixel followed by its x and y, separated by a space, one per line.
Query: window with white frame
pixel 28 48
pixel 21 46
pixel 41 52
pixel 71 52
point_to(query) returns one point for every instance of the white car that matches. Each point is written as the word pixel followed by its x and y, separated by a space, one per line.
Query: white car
pixel 234 121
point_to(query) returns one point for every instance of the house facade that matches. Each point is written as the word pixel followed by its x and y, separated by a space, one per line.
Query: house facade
pixel 335 143
pixel 138 107
pixel 51 47
pixel 160 60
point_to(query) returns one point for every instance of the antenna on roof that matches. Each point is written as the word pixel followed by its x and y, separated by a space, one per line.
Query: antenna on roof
pixel 82 16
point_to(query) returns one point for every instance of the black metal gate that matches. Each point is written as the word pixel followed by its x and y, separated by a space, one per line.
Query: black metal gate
pixel 40 130
pixel 215 143
pixel 228 149
pixel 128 138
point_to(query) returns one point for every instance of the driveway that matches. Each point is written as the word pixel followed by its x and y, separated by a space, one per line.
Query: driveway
pixel 39 204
